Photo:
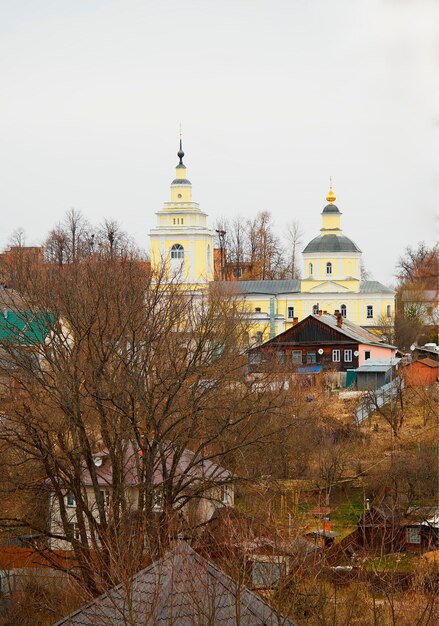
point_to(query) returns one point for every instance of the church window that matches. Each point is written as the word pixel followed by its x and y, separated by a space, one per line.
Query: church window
pixel 328 268
pixel 310 269
pixel 389 311
pixel 257 309
pixel 369 311
pixel 315 309
pixel 290 313
pixel 179 195
pixel 343 310
pixel 177 251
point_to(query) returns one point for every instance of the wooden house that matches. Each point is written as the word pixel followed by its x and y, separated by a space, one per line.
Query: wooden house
pixel 321 342
pixel 379 530
pixel 421 530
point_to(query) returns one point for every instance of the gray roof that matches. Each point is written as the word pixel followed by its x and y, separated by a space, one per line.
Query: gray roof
pixel 373 286
pixel 378 365
pixel 331 243
pixel 181 589
pixel 353 331
pixel 271 287
pixel 181 181
pixel 331 208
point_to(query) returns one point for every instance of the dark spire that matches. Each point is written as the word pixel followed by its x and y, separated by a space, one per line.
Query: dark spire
pixel 180 154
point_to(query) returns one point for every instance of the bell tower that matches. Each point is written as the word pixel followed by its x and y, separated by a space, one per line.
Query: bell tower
pixel 181 240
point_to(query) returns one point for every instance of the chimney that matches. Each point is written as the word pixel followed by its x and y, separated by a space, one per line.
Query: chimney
pixel 295 320
pixel 320 313
pixel 324 312
pixel 336 312
pixel 339 320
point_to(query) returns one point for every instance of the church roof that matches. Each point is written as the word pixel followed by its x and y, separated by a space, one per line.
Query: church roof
pixel 373 286
pixel 268 287
pixel 331 243
pixel 181 181
pixel 331 208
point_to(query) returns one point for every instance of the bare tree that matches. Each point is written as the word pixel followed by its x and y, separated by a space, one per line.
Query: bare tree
pixel 294 237
pixel 131 365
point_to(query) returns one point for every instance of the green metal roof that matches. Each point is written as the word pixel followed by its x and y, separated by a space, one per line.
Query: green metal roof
pixel 331 243
pixel 25 328
pixel 331 208
pixel 373 286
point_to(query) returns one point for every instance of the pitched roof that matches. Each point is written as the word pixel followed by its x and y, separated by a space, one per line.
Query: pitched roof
pixel 348 329
pixel 181 589
pixel 373 286
pixel 189 467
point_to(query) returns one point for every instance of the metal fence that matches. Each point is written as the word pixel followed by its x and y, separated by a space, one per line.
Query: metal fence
pixel 377 398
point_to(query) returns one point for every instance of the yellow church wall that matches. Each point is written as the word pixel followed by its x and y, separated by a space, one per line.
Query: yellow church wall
pixel 181 194
pixel 331 221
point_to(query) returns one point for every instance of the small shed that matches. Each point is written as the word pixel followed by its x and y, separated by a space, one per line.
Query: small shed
pixel 375 373
pixel 423 372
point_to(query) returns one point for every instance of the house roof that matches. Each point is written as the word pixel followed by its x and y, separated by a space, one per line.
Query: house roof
pixel 378 365
pixel 181 589
pixel 427 362
pixel 350 330
pixel 26 328
pixel 189 468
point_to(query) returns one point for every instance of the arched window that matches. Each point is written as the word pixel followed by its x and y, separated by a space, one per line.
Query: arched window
pixel 343 310
pixel 208 257
pixel 329 267
pixel 310 269
pixel 177 251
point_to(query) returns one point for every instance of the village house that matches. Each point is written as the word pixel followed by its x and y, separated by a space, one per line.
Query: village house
pixel 211 484
pixel 319 343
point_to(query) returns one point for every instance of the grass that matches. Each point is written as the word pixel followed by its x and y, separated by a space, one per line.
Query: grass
pixel 397 562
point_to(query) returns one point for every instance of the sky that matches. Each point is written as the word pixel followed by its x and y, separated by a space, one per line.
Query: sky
pixel 274 97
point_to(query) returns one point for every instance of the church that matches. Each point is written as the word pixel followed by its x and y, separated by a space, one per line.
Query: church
pixel 332 281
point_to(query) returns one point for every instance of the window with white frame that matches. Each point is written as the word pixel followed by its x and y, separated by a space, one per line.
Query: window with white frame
pixel 224 494
pixel 315 309
pixel 311 356
pixel 328 268
pixel 105 498
pixel 297 357
pixel 336 356
pixel 281 356
pixel 70 501
pixel 290 312
pixel 413 534
pixel 177 251
pixel 347 356
pixel 369 311
pixel 343 310
pixel 74 530
pixel 258 309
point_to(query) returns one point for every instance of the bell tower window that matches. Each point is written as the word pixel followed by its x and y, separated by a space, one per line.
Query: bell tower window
pixel 177 251
pixel 343 310
pixel 328 268
pixel 310 269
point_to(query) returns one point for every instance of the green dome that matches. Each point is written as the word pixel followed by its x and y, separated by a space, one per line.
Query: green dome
pixel 331 243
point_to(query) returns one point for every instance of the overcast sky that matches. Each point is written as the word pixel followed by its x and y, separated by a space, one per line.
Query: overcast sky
pixel 273 96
